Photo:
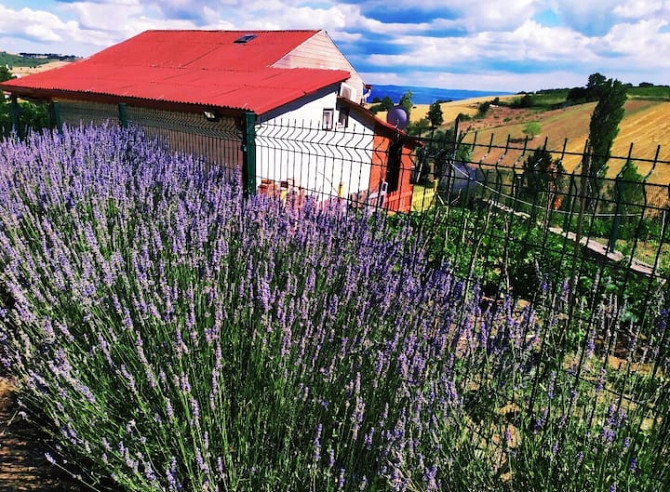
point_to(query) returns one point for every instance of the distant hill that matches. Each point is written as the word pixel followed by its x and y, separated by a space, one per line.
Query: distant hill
pixel 32 59
pixel 427 95
pixel 645 124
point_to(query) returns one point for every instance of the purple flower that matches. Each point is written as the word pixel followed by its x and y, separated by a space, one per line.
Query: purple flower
pixel 171 475
pixel 316 457
pixel 340 480
pixel 367 441
pixel 331 457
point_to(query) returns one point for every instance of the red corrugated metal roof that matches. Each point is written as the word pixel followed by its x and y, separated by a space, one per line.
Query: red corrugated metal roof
pixel 190 67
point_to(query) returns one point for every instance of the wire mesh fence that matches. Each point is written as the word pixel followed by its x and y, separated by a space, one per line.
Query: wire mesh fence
pixel 513 219
pixel 217 141
pixel 516 220
pixel 511 215
pixel 76 113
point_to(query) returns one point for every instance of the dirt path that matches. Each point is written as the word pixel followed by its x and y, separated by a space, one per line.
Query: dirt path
pixel 22 462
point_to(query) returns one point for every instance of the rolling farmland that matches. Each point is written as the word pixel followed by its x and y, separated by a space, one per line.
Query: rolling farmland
pixel 645 124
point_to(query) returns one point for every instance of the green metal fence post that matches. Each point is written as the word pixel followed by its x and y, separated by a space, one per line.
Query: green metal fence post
pixel 123 115
pixel 249 154
pixel 54 116
pixel 14 114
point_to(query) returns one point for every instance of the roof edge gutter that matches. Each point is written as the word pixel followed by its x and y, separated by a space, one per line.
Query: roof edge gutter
pixel 52 95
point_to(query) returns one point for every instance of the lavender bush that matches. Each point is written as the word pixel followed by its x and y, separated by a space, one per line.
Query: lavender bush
pixel 173 336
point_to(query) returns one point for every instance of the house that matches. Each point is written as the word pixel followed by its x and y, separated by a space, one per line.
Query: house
pixel 282 107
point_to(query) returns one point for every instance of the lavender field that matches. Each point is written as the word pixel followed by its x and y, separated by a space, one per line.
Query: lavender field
pixel 171 335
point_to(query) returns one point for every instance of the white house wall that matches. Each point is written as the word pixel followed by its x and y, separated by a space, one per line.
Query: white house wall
pixel 293 148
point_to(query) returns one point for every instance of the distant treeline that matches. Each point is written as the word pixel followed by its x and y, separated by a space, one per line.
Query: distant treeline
pixel 49 56
pixel 553 98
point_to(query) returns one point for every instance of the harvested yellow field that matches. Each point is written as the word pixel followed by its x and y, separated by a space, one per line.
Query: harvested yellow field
pixel 647 129
pixel 21 71
pixel 451 109
pixel 646 125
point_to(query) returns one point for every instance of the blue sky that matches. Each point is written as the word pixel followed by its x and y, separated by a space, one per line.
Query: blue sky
pixel 505 45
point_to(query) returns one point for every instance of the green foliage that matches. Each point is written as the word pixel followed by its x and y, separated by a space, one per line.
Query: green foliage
pixel 542 100
pixel 20 61
pixel 508 251
pixel 532 129
pixel 483 109
pixel 438 152
pixel 435 115
pixel 650 92
pixel 5 73
pixel 406 102
pixel 418 127
pixel 525 101
pixel 597 87
pixel 543 177
pixel 604 125
pixel 596 83
pixel 32 117
pixel 629 193
pixel 384 105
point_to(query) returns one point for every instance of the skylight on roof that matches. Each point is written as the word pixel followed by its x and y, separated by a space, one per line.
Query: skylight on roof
pixel 245 39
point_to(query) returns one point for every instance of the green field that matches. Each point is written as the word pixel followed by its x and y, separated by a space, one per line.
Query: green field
pixel 21 61
pixel 13 60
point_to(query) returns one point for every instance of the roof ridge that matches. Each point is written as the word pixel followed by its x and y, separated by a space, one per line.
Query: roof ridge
pixel 232 30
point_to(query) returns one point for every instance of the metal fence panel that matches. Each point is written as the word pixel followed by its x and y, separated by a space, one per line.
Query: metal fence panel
pixel 218 141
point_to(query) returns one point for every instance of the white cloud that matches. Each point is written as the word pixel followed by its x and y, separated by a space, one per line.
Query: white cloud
pixel 637 9
pixel 495 16
pixel 503 42
pixel 33 24
pixel 528 42
pixel 109 16
pixel 641 43
pixel 531 41
pixel 120 19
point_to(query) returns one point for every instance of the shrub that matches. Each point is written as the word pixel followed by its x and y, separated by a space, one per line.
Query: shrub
pixel 532 129
pixel 177 337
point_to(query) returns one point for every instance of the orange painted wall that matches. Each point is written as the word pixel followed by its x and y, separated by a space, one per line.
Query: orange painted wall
pixel 401 199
